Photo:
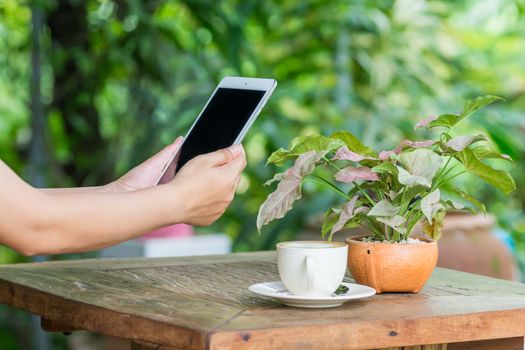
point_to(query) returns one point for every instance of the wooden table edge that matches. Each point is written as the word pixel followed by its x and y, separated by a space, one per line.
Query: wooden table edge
pixel 64 315
pixel 376 334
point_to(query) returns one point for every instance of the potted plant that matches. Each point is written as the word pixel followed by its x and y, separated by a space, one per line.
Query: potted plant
pixel 388 193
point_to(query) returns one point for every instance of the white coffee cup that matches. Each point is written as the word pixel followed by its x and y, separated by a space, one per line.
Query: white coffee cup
pixel 312 268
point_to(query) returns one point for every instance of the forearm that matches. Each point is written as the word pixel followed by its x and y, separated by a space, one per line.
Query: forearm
pixel 95 220
pixel 76 222
pixel 93 189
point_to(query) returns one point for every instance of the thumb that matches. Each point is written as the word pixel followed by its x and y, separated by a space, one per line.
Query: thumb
pixel 224 156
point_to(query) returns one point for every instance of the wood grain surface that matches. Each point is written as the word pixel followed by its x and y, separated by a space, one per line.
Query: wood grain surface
pixel 203 303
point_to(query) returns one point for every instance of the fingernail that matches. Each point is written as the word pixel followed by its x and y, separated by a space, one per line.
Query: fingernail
pixel 178 139
pixel 235 150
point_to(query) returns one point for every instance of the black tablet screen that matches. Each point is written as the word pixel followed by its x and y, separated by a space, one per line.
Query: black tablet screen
pixel 218 127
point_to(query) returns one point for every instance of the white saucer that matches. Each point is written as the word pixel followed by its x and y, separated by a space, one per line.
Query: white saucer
pixel 278 291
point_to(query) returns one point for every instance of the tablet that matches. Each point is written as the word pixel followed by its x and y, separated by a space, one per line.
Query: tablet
pixel 224 120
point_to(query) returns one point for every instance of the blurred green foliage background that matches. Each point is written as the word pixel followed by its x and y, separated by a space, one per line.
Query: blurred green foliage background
pixel 120 79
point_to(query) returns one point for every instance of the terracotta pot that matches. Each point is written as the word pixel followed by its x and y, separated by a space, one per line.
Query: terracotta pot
pixel 391 267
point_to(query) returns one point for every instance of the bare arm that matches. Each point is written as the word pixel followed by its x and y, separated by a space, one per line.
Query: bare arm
pixel 34 222
pixel 89 189
pixel 143 176
pixel 37 223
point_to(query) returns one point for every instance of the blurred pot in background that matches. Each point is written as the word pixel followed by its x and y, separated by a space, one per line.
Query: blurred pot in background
pixel 469 244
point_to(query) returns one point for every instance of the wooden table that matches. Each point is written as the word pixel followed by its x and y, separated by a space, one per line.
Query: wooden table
pixel 203 303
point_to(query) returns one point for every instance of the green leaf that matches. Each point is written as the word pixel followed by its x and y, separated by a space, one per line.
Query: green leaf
pixel 383 208
pixel 459 143
pixel 470 199
pixel 352 142
pixel 449 120
pixel 412 192
pixel 330 218
pixel 341 290
pixel 488 152
pixel 498 178
pixel 297 140
pixel 451 204
pixel 354 222
pixel 385 168
pixel 420 167
pixel 433 230
pixel 396 222
pixel 430 204
pixel 473 105
pixel 280 157
pixel 304 144
pixel 409 180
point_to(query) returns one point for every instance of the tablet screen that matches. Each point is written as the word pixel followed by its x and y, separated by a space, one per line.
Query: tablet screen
pixel 218 126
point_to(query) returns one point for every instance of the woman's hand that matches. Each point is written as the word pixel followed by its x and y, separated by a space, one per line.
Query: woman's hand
pixel 146 174
pixel 206 184
pixel 74 221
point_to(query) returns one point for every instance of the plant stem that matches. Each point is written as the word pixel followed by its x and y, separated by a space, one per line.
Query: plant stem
pixel 322 180
pixel 331 163
pixel 404 209
pixel 441 173
pixel 445 166
pixel 364 193
pixel 413 223
pixel 445 180
pixel 375 228
pixel 453 176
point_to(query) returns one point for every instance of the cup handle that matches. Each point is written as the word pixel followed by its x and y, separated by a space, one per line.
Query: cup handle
pixel 310 265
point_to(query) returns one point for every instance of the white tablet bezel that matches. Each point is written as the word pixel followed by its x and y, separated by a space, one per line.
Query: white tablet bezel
pixel 266 85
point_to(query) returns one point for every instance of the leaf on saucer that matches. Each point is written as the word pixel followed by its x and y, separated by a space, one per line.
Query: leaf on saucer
pixel 342 289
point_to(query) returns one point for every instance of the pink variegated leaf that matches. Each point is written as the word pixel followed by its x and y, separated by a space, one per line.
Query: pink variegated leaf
pixel 288 190
pixel 361 210
pixel 413 144
pixel 384 155
pixel 344 153
pixel 459 143
pixel 347 212
pixel 351 174
pixel 304 164
pixel 426 121
pixel 396 222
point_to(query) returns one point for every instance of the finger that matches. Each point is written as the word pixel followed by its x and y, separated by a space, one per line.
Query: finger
pixel 236 165
pixel 166 154
pixel 223 156
pixel 237 180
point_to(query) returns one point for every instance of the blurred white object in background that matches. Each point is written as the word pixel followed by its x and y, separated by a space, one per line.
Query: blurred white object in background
pixel 207 244
pixel 176 240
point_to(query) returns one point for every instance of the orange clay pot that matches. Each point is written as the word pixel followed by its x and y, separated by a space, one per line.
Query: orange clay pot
pixel 389 267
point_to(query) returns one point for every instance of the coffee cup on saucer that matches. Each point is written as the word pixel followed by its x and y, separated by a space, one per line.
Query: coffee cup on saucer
pixel 312 268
